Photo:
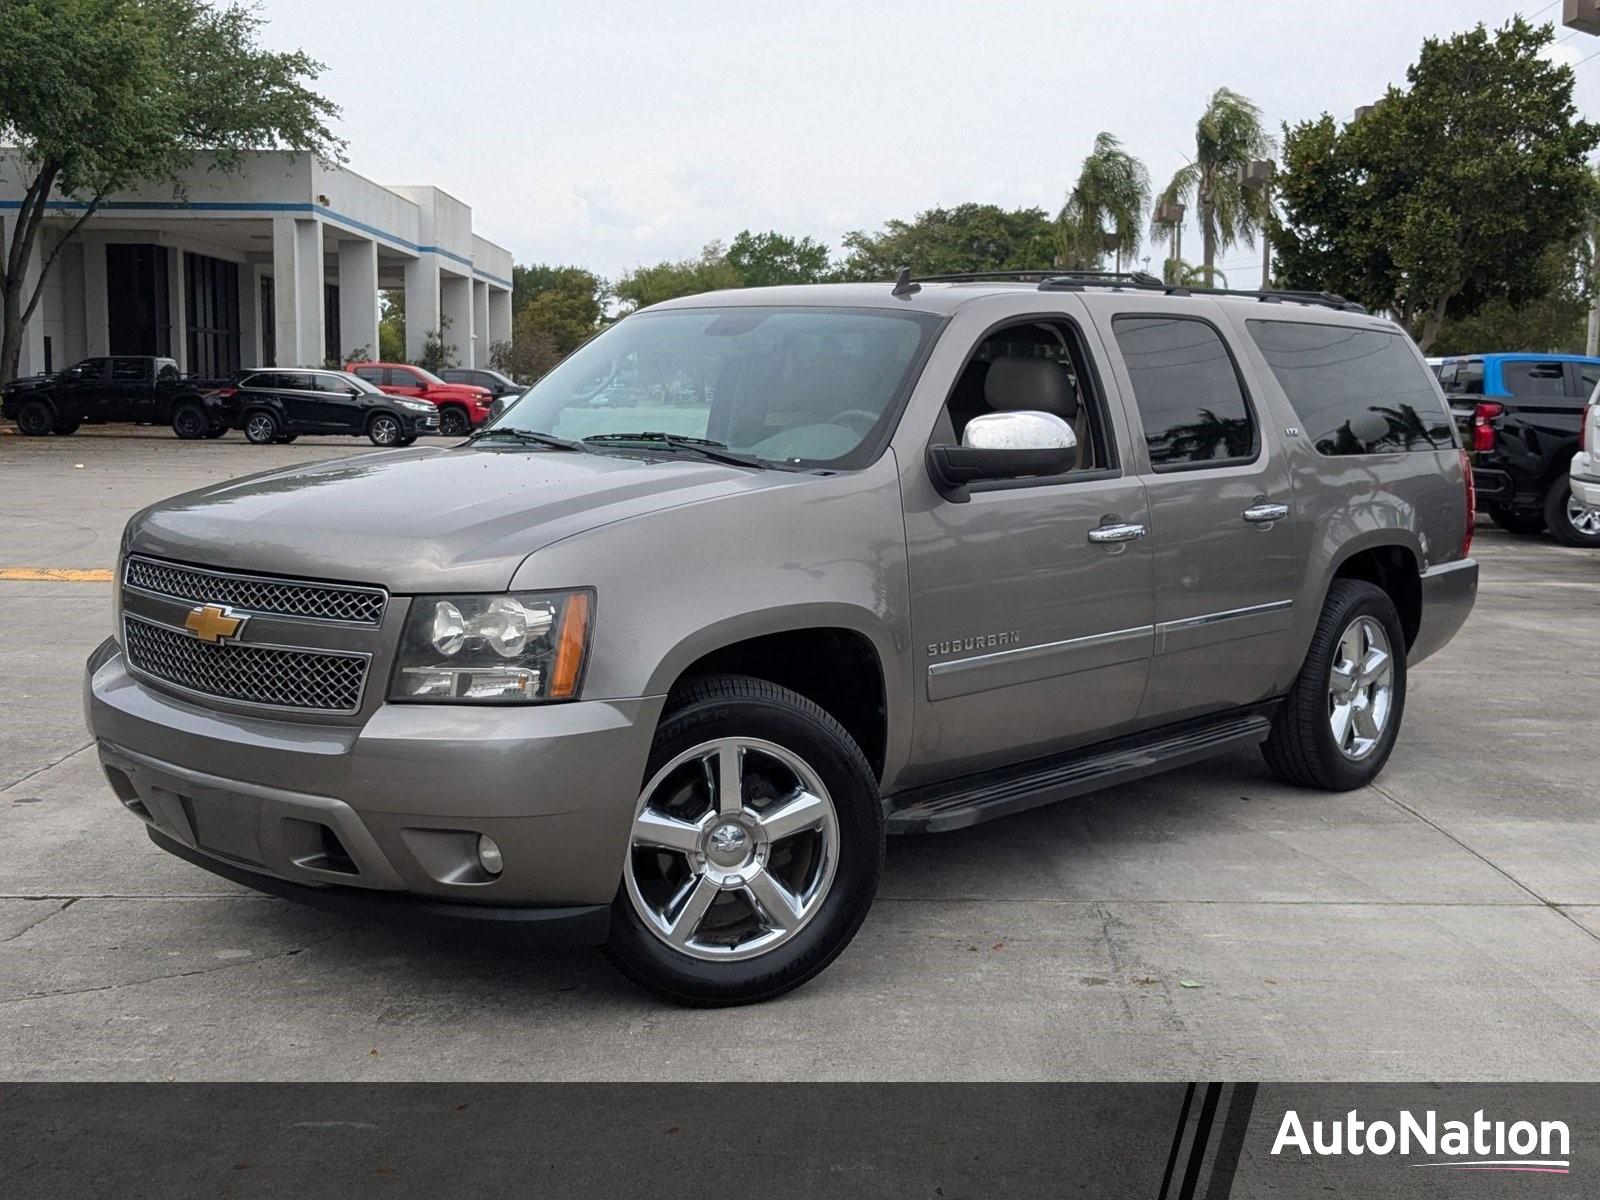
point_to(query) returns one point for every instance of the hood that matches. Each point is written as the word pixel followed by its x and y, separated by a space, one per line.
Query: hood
pixel 24 382
pixel 424 520
pixel 458 391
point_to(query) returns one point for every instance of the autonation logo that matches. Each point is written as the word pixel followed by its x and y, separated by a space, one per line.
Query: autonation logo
pixel 1476 1145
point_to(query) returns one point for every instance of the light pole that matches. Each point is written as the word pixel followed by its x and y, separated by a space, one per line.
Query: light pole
pixel 1257 176
pixel 1113 245
pixel 1171 213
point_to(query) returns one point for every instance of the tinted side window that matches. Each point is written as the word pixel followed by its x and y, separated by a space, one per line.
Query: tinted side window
pixel 399 377
pixel 370 374
pixel 1355 390
pixel 1588 376
pixel 1462 377
pixel 262 382
pixel 1187 389
pixel 333 385
pixel 129 370
pixel 296 383
pixel 1529 378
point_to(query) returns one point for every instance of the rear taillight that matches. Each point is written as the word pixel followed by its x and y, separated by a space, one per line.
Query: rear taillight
pixel 1482 431
pixel 1589 432
pixel 1472 502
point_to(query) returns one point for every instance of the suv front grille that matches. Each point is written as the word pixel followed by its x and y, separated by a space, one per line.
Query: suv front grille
pixel 309 679
pixel 275 597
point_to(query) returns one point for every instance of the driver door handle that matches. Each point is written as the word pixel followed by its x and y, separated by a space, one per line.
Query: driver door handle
pixel 1260 514
pixel 1106 534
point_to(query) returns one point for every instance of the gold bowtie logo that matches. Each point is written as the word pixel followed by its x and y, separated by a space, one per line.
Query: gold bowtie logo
pixel 213 623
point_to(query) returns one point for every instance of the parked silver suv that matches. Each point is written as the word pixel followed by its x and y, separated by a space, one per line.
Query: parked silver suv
pixel 755 577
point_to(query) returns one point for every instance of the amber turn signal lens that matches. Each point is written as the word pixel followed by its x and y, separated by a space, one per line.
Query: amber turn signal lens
pixel 570 646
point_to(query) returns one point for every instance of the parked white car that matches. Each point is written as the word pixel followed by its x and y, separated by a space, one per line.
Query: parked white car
pixel 1585 469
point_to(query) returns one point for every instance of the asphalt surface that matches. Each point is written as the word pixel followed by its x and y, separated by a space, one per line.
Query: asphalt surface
pixel 1212 923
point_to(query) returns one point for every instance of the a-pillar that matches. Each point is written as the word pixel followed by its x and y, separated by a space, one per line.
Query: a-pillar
pixel 358 299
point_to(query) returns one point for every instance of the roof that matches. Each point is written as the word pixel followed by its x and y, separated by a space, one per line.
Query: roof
pixel 1501 355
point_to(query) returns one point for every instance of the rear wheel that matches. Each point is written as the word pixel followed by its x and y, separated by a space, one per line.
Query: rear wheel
pixel 261 428
pixel 1339 722
pixel 755 850
pixel 384 430
pixel 1570 521
pixel 1517 520
pixel 453 422
pixel 36 418
pixel 189 422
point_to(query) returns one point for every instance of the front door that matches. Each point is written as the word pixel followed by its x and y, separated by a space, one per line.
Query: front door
pixel 1031 600
pixel 1222 529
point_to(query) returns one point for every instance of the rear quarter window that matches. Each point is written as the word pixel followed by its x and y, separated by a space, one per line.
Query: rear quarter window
pixel 1355 390
pixel 1531 378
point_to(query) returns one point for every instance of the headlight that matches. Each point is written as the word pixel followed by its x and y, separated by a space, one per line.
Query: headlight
pixel 514 649
pixel 416 405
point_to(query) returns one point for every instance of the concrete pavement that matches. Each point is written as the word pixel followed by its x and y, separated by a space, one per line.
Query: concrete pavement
pixel 1214 923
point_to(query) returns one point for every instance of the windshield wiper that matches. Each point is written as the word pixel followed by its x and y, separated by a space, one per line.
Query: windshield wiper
pixel 715 451
pixel 528 437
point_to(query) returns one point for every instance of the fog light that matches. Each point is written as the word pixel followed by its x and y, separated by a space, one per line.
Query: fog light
pixel 489 855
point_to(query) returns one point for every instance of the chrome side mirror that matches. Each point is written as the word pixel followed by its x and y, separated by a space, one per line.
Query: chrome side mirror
pixel 1003 445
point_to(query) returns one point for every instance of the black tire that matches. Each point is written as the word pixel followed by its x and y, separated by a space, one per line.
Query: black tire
pixel 36 419
pixel 260 427
pixel 189 422
pixel 454 422
pixel 409 439
pixel 1517 520
pixel 283 439
pixel 384 429
pixel 65 428
pixel 216 431
pixel 1559 520
pixel 1301 748
pixel 736 706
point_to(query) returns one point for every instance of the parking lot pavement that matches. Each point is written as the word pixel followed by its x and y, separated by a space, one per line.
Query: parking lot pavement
pixel 1443 924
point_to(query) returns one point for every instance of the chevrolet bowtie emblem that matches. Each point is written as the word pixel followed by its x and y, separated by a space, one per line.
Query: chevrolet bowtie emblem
pixel 213 623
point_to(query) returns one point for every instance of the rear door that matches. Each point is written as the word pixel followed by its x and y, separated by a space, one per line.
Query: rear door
pixel 1227 551
pixel 297 393
pixel 131 393
pixel 339 407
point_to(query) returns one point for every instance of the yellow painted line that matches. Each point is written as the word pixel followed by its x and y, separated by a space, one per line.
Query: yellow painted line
pixel 56 574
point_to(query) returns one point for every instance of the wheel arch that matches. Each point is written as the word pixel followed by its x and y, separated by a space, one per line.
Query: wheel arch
pixel 1395 568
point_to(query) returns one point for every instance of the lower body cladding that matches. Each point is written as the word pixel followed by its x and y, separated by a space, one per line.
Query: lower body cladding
pixel 427 815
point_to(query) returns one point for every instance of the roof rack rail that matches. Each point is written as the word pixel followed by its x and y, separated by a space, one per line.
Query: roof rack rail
pixel 1076 281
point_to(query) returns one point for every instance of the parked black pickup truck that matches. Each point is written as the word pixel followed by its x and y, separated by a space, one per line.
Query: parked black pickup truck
pixel 146 390
pixel 1520 415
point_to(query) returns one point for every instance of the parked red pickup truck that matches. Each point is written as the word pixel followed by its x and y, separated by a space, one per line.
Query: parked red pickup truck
pixel 462 407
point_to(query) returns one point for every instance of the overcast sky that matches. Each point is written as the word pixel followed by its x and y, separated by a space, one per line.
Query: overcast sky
pixel 611 134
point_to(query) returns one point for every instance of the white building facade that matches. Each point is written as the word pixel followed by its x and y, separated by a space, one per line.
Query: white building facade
pixel 276 263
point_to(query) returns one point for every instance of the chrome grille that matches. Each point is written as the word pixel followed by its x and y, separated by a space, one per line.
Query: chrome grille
pixel 247 674
pixel 276 597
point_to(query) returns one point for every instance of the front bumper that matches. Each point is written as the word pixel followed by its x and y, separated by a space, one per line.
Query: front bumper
pixel 1449 591
pixel 391 808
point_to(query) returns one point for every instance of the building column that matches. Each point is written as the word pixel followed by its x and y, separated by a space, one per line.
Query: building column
pixel 455 302
pixel 178 309
pixel 297 291
pixel 422 303
pixel 31 359
pixel 358 299
pixel 249 315
pixel 96 302
pixel 499 316
pixel 481 345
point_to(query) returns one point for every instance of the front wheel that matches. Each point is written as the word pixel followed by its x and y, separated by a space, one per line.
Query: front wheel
pixel 1338 724
pixel 1570 521
pixel 283 439
pixel 261 428
pixel 453 422
pixel 36 419
pixel 755 851
pixel 216 431
pixel 384 430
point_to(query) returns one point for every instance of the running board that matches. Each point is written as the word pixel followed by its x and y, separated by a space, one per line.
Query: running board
pixel 940 807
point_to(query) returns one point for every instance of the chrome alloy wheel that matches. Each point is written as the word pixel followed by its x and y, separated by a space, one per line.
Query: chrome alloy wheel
pixel 1361 688
pixel 734 847
pixel 260 428
pixel 1582 517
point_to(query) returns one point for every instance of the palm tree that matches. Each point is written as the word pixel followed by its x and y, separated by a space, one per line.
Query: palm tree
pixel 1105 209
pixel 1228 135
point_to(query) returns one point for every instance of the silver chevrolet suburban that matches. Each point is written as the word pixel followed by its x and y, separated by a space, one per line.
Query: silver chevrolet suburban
pixel 659 656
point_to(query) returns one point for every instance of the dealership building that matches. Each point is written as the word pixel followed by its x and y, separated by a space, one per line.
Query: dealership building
pixel 277 261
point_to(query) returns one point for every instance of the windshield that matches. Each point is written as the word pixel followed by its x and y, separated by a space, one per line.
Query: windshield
pixel 796 385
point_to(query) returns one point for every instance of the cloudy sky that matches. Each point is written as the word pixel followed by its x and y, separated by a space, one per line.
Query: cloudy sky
pixel 612 134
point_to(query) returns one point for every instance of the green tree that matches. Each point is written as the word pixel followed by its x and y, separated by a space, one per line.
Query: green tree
pixel 943 241
pixel 645 286
pixel 1553 321
pixel 771 259
pixel 101 95
pixel 392 326
pixel 437 354
pixel 1448 195
pixel 567 303
pixel 1228 135
pixel 1105 209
